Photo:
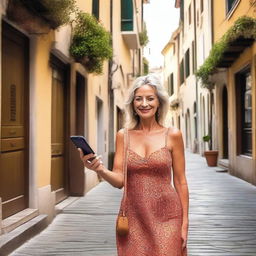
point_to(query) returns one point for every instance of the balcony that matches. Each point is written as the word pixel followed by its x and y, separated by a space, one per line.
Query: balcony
pixel 234 50
pixel 129 28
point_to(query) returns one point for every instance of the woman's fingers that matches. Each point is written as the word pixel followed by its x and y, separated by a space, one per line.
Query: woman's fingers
pixel 85 157
pixel 81 153
pixel 91 161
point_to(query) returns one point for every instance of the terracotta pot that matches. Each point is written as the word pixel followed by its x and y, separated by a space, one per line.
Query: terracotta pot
pixel 211 157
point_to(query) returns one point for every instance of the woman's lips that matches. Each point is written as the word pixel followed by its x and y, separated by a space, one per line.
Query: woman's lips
pixel 144 110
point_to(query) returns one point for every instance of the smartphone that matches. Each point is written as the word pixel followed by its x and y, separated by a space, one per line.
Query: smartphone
pixel 80 142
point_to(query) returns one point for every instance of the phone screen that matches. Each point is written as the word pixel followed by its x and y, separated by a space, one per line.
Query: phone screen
pixel 80 142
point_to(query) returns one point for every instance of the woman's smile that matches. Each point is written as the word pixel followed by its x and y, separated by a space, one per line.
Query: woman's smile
pixel 144 110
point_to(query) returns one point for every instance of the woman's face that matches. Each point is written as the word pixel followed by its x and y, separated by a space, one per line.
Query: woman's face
pixel 145 101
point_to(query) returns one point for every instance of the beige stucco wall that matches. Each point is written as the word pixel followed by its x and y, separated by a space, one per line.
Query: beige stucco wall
pixel 204 44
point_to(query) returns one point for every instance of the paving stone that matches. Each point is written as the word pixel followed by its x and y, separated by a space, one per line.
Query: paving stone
pixel 222 218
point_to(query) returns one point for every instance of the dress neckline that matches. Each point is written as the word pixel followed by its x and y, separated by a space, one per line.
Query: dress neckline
pixel 152 153
pixel 149 156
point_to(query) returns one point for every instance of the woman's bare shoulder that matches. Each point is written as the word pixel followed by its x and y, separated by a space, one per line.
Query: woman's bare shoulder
pixel 120 134
pixel 174 134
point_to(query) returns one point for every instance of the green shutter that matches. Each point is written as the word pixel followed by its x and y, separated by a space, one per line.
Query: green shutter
pixel 127 15
pixel 181 72
pixel 172 84
pixel 187 63
pixel 95 8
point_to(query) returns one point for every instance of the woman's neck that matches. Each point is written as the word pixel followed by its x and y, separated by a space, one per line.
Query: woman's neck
pixel 148 125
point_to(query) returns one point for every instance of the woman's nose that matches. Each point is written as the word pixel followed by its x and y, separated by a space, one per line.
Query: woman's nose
pixel 144 103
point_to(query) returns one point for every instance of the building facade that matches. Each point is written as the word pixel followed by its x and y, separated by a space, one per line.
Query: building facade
pixel 235 81
pixel 46 96
pixel 190 45
pixel 222 38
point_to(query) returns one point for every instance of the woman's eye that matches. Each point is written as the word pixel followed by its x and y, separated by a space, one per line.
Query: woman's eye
pixel 151 99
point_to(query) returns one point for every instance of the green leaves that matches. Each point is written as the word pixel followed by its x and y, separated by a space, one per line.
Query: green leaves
pixel 243 27
pixel 206 138
pixel 143 36
pixel 91 43
pixel 59 11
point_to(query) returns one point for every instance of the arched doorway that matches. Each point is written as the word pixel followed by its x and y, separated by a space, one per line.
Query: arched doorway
pixel 225 122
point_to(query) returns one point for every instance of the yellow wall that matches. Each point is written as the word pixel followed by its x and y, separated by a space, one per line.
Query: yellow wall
pixel 221 22
pixel 42 109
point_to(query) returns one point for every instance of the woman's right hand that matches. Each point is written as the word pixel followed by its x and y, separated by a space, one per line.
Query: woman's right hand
pixel 94 164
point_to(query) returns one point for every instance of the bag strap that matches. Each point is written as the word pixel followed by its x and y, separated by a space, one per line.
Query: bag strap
pixel 125 149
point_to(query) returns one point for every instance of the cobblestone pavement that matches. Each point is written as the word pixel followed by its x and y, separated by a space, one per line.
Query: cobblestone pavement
pixel 222 218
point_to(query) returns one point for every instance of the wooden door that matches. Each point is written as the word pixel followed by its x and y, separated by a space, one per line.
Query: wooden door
pixel 14 122
pixel 58 137
pixel 79 127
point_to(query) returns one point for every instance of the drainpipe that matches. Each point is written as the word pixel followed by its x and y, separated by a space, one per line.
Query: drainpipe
pixel 111 99
pixel 195 52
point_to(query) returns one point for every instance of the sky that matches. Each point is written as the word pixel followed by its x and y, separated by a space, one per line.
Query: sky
pixel 161 18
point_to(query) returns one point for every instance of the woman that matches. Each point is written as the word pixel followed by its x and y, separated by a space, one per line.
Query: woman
pixel 157 211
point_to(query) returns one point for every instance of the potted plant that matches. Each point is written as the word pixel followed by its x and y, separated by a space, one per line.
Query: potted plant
pixel 210 155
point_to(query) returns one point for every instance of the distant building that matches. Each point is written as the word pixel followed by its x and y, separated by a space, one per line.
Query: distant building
pixel 224 105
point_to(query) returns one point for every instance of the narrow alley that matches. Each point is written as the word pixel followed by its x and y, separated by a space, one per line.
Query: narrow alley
pixel 222 218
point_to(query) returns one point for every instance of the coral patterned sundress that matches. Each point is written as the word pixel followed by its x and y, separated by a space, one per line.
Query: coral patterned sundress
pixel 153 207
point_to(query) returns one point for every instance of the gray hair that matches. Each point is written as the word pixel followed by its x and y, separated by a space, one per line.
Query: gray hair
pixel 153 80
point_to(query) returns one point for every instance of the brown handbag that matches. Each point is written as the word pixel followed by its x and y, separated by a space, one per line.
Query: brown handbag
pixel 122 225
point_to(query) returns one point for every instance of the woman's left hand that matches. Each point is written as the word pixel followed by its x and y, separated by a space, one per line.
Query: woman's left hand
pixel 184 235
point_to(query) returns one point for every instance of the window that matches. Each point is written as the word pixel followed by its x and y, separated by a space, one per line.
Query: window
pixel 187 62
pixel 95 8
pixel 230 4
pixel 181 72
pixel 182 10
pixel 247 115
pixel 244 112
pixel 127 15
pixel 170 84
pixel 189 14
pixel 193 57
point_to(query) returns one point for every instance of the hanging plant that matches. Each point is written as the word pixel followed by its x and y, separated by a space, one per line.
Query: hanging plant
pixel 243 27
pixel 35 15
pixel 91 43
pixel 143 36
pixel 145 66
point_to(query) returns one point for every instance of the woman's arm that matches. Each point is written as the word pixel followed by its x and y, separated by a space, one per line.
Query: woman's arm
pixel 179 177
pixel 114 177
